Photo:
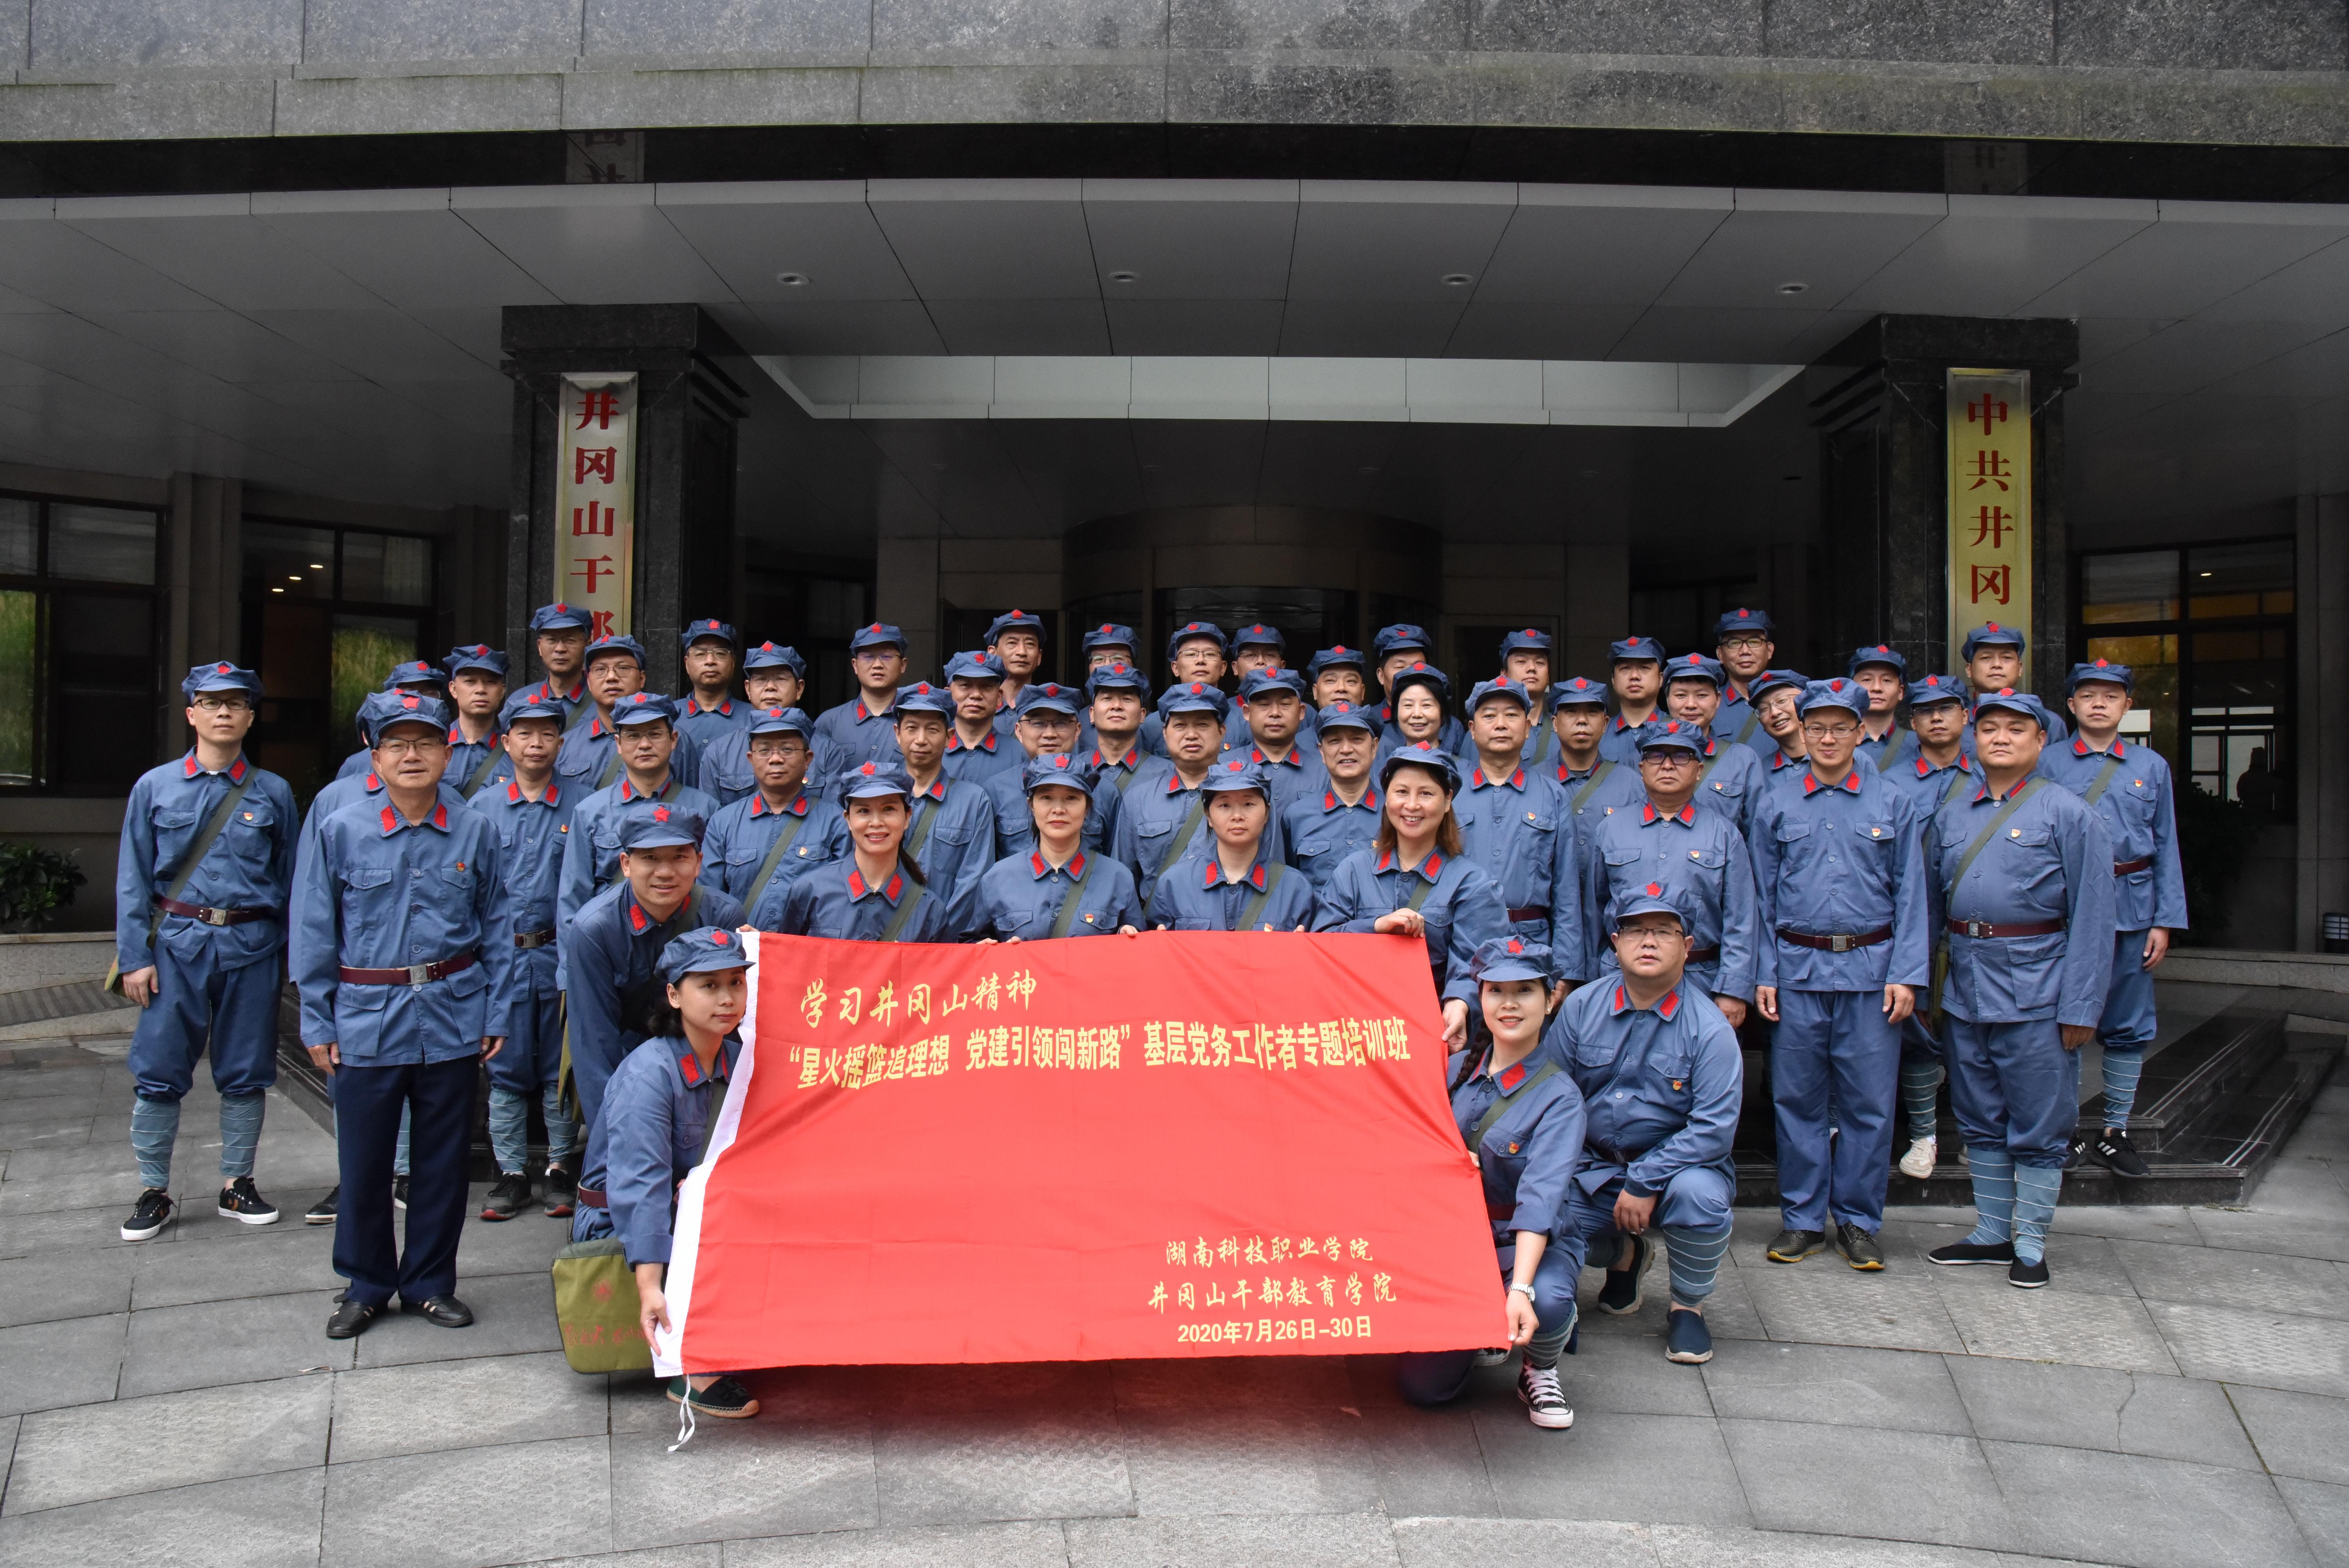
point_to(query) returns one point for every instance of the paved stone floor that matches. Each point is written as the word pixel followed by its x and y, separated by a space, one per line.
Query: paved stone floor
pixel 2179 1397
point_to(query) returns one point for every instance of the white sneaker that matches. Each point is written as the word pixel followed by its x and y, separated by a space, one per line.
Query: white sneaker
pixel 1493 1358
pixel 1921 1156
pixel 1546 1403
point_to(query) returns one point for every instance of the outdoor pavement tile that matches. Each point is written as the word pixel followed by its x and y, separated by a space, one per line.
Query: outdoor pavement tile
pixel 2271 1350
pixel 255 1522
pixel 803 1464
pixel 703 1555
pixel 2322 1512
pixel 1346 1541
pixel 2305 1188
pixel 8 1427
pixel 66 1284
pixel 1665 1469
pixel 2127 1222
pixel 2259 1282
pixel 72 1231
pixel 473 1403
pixel 56 1132
pixel 51 1083
pixel 2143 1512
pixel 998 1442
pixel 467 1508
pixel 1022 1544
pixel 2283 1234
pixel 1426 1460
pixel 524 1244
pixel 2097 1407
pixel 101 1159
pixel 2050 1325
pixel 46 1194
pixel 1834 1385
pixel 1212 1382
pixel 1729 1310
pixel 220 1342
pixel 1677 1546
pixel 1239 1457
pixel 48 1365
pixel 1886 1311
pixel 1626 1375
pixel 127 1446
pixel 238 1262
pixel 1521 1544
pixel 512 1314
pixel 1910 1486
pixel 2302 1435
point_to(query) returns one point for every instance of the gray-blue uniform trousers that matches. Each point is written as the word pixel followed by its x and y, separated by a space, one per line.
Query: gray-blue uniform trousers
pixel 215 984
pixel 2134 798
pixel 656 1111
pixel 835 901
pixel 1023 895
pixel 1843 862
pixel 1519 829
pixel 1322 831
pixel 737 840
pixel 1661 1089
pixel 611 960
pixel 1460 907
pixel 1273 896
pixel 1701 854
pixel 1525 1163
pixel 591 850
pixel 2014 1087
pixel 1927 788
pixel 531 839
pixel 384 894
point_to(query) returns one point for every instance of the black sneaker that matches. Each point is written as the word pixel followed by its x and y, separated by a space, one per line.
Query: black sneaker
pixel 242 1201
pixel 507 1197
pixel 325 1210
pixel 1959 1253
pixel 561 1192
pixel 147 1221
pixel 1545 1400
pixel 2076 1155
pixel 2027 1275
pixel 400 1193
pixel 1622 1294
pixel 1792 1246
pixel 724 1398
pixel 2114 1151
pixel 1859 1247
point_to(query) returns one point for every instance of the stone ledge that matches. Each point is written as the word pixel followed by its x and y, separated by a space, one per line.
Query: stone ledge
pixel 2225 966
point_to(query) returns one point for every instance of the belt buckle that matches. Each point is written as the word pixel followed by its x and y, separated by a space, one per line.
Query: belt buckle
pixel 212 916
pixel 1980 928
pixel 418 974
pixel 1839 942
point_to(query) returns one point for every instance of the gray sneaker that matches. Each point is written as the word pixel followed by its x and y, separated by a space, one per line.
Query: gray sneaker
pixel 1859 1247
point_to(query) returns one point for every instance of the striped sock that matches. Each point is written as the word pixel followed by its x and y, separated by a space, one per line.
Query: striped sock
pixel 154 1128
pixel 1993 1174
pixel 1544 1348
pixel 1695 1260
pixel 2035 1187
pixel 2122 1069
pixel 1920 1093
pixel 240 1132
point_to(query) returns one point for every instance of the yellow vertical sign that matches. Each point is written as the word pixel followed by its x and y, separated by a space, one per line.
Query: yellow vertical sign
pixel 1990 502
pixel 595 499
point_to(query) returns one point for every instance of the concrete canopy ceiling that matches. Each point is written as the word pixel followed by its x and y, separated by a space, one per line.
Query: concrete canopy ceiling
pixel 345 342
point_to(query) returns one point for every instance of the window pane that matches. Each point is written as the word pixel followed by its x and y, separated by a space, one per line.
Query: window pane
pixel 386 569
pixel 2136 586
pixel 285 559
pixel 103 542
pixel 102 678
pixel 2240 579
pixel 20 543
pixel 19 622
pixel 366 647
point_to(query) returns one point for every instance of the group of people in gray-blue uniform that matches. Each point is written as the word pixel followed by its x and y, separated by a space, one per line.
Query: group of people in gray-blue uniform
pixel 1608 875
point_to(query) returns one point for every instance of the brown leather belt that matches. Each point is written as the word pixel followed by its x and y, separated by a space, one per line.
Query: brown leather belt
pixel 1841 941
pixel 2123 868
pixel 1531 912
pixel 1704 955
pixel 414 974
pixel 1984 928
pixel 593 1198
pixel 534 938
pixel 212 916
pixel 1499 1211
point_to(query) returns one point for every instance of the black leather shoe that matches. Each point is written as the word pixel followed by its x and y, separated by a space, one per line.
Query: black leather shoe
pixel 351 1320
pixel 441 1311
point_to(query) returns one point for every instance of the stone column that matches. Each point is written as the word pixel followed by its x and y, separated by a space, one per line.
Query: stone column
pixel 2322 627
pixel 1883 485
pixel 687 408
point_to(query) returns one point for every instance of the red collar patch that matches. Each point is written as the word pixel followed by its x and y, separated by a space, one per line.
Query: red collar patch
pixel 690 1065
pixel 1669 1006
pixel 390 820
pixel 636 916
pixel 856 888
pixel 1511 1077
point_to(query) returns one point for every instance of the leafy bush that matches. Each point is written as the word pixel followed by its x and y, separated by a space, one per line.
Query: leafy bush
pixel 34 884
pixel 2214 837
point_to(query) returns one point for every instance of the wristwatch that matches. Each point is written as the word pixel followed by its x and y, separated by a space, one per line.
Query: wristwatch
pixel 1527 1289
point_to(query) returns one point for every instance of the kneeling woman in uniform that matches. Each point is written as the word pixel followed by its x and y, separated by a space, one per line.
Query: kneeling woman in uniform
pixel 872 890
pixel 1059 887
pixel 1522 1118
pixel 1236 886
pixel 1415 879
pixel 654 1127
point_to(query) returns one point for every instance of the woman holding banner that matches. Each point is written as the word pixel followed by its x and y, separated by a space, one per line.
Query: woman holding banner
pixel 1523 1120
pixel 876 892
pixel 1415 879
pixel 1059 888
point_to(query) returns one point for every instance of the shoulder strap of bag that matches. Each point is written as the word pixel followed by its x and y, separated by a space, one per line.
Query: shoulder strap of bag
pixel 1499 1108
pixel 1990 830
pixel 1067 913
pixel 1958 777
pixel 481 772
pixel 2102 780
pixel 791 829
pixel 1752 717
pixel 1256 906
pixel 1582 796
pixel 1182 839
pixel 214 826
pixel 920 834
pixel 1426 887
pixel 895 930
pixel 611 769
pixel 1719 755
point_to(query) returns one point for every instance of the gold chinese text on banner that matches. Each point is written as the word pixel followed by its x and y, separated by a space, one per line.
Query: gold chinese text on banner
pixel 1990 502
pixel 595 499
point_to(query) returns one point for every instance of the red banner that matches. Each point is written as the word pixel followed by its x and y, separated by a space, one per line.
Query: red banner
pixel 1177 1144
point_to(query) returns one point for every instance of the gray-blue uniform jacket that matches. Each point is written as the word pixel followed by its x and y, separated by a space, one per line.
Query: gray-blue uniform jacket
pixel 1661 1086
pixel 735 845
pixel 590 757
pixel 722 768
pixel 1704 856
pixel 710 726
pixel 342 792
pixel 950 833
pixel 2049 863
pixel 656 1111
pixel 1321 832
pixel 1845 860
pixel 1619 742
pixel 1021 896
pixel 251 866
pixel 1527 1157
pixel 1739 723
pixel 384 893
pixel 466 758
pixel 531 837
pixel 1519 829
pixel 2140 817
pixel 1300 777
pixel 611 960
pixel 1151 833
pixel 1730 781
pixel 591 850
pixel 834 901
pixel 851 735
pixel 1015 824
pixel 1205 900
pixel 997 754
pixel 1462 908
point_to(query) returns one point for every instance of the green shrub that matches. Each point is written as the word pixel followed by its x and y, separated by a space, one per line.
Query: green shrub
pixel 2214 838
pixel 34 884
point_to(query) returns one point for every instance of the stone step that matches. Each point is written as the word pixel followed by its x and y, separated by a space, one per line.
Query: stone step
pixel 2193 1082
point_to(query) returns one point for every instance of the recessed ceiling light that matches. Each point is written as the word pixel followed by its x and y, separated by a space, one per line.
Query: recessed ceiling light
pixel 1457 280
pixel 1123 276
pixel 791 280
pixel 295 578
pixel 317 566
pixel 277 589
pixel 2209 574
pixel 1791 288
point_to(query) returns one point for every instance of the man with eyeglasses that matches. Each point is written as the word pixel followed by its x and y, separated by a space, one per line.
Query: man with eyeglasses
pixel 1741 641
pixel 201 888
pixel 1839 866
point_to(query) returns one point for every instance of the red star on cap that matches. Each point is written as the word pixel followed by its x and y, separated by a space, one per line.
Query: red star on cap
pixel 1105 626
pixel 1654 890
pixel 1990 625
pixel 1743 612
pixel 719 937
pixel 562 609
pixel 1835 684
pixel 1882 649
pixel 868 771
pixel 2006 691
pixel 2100 665
pixel 713 625
pixel 1515 946
pixel 660 813
pixel 407 702
pixel 766 647
pixel 1018 612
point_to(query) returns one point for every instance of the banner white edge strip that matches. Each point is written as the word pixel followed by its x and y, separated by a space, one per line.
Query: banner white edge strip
pixel 685 1242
